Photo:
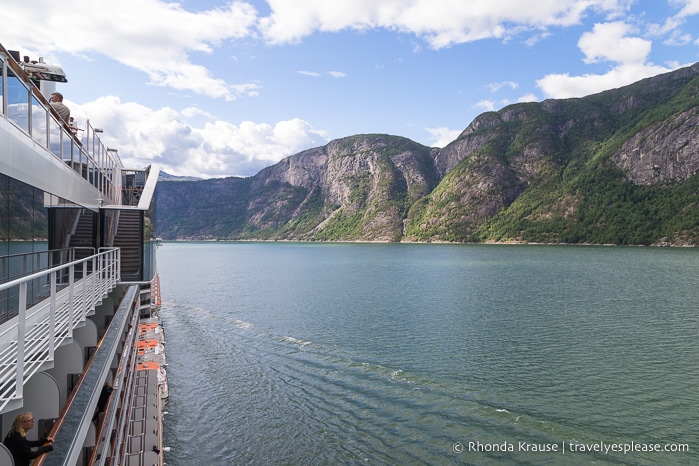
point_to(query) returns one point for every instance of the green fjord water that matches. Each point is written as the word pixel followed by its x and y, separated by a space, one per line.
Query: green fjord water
pixel 301 353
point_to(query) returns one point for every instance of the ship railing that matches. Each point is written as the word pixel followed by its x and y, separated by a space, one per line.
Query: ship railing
pixel 13 266
pixel 72 426
pixel 23 104
pixel 28 342
pixel 117 416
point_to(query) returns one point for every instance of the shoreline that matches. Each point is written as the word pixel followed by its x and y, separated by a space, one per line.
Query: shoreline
pixel 520 243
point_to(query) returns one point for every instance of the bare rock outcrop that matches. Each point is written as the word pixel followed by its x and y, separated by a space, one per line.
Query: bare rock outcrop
pixel 665 152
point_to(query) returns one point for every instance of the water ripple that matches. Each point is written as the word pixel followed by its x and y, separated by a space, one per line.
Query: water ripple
pixel 328 365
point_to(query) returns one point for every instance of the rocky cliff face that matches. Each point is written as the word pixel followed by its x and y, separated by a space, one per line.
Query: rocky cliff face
pixel 356 187
pixel 664 152
pixel 573 170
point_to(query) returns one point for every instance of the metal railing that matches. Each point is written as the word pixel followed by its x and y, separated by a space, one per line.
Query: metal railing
pixel 72 426
pixel 17 265
pixel 22 104
pixel 13 266
pixel 109 448
pixel 28 342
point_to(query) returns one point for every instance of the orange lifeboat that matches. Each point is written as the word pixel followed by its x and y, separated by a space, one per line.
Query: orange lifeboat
pixel 148 344
pixel 149 365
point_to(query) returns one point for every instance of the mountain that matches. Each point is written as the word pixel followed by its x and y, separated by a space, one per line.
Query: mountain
pixel 168 177
pixel 618 167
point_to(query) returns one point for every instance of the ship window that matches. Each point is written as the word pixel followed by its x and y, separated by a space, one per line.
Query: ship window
pixel 23 233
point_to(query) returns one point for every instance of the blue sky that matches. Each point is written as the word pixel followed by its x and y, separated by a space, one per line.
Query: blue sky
pixel 224 88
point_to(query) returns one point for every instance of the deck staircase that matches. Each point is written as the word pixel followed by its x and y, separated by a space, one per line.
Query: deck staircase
pixel 82 236
pixel 129 240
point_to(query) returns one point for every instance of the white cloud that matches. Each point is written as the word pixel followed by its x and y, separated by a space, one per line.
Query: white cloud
pixel 196 111
pixel 528 98
pixel 562 86
pixel 678 38
pixel 176 38
pixel 608 42
pixel 144 136
pixel 315 74
pixel 149 35
pixel 487 105
pixel 494 87
pixel 441 24
pixel 120 28
pixel 533 40
pixel 442 136
pixel 670 26
pixel 688 7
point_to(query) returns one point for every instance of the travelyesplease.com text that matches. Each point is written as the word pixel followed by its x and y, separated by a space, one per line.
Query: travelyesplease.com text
pixel 570 447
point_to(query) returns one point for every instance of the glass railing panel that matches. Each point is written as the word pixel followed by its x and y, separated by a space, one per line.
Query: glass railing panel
pixel 67 146
pixel 39 122
pixel 2 95
pixel 55 138
pixel 89 141
pixel 96 176
pixel 84 165
pixel 90 170
pixel 89 157
pixel 81 163
pixel 17 102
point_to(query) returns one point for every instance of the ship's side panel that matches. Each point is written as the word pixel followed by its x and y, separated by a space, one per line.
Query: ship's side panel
pixel 77 262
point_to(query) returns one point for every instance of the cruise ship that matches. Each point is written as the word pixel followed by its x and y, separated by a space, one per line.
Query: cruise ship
pixel 81 346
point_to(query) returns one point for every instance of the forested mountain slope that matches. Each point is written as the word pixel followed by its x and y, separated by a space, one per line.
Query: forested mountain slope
pixel 619 167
